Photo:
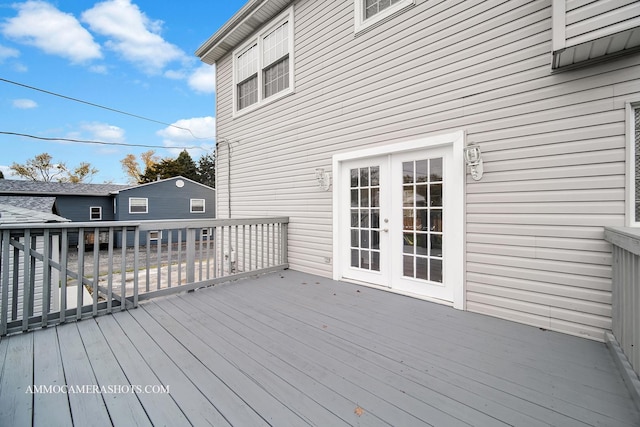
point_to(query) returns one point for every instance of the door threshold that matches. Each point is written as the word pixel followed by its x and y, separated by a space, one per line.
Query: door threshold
pixel 398 292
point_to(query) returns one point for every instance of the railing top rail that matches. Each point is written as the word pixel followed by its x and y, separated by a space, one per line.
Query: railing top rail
pixel 151 224
pixel 625 237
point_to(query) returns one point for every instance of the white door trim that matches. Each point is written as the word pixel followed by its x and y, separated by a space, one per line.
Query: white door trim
pixel 456 185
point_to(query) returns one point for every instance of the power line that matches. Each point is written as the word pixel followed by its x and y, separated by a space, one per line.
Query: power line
pixel 86 141
pixel 102 106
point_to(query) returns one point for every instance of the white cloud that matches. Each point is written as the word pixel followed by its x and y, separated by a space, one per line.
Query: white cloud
pixel 7 52
pixel 8 173
pixel 132 34
pixel 24 104
pixel 42 25
pixel 104 132
pixel 203 79
pixel 202 136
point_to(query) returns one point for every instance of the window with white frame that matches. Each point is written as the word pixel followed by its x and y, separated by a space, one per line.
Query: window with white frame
pixel 634 130
pixel 138 205
pixel 95 213
pixel 155 235
pixel 197 205
pixel 370 12
pixel 263 67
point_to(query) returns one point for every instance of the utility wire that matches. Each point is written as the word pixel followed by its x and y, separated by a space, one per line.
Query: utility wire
pixel 101 106
pixel 85 141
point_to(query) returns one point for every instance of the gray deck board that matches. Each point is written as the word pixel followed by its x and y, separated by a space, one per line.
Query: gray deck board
pixel 16 403
pixel 124 408
pixel 291 349
pixel 233 408
pixel 271 409
pixel 87 408
pixel 161 408
pixel 195 406
pixel 51 409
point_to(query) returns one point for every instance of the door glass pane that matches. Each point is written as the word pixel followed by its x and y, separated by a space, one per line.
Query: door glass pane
pixel 407 266
pixel 364 187
pixel 374 174
pixel 407 172
pixel 435 169
pixel 422 211
pixel 422 171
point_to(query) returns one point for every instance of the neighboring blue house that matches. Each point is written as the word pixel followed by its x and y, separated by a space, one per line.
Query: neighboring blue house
pixel 171 198
pixel 77 202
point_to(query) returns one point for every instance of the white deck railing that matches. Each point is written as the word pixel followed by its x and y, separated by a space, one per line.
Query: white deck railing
pixel 626 291
pixel 52 273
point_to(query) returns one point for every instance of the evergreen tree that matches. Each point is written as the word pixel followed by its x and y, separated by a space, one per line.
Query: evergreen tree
pixel 207 170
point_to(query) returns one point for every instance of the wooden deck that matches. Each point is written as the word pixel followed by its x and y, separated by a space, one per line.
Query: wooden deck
pixel 294 349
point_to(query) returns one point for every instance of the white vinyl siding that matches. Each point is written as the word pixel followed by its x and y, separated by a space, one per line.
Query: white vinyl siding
pixel 138 205
pixel 263 67
pixel 553 146
pixel 197 205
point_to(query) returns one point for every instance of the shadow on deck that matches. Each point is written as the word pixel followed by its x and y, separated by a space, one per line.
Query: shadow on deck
pixel 294 349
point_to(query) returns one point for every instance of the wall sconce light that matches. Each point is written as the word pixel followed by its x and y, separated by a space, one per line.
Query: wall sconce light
pixel 473 158
pixel 323 178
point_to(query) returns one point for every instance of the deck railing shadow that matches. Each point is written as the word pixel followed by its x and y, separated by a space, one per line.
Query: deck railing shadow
pixel 57 272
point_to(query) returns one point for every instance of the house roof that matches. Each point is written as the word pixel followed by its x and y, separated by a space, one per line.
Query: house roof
pixel 36 203
pixel 174 178
pixel 21 187
pixel 15 215
pixel 253 15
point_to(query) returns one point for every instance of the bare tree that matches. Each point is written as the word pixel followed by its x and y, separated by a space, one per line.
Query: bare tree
pixel 43 168
pixel 131 166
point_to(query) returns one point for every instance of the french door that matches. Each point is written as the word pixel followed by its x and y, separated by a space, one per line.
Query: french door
pixel 400 222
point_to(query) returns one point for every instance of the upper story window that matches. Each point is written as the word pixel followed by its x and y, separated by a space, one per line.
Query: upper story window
pixel 371 12
pixel 197 205
pixel 138 205
pixel 263 66
pixel 634 186
pixel 95 213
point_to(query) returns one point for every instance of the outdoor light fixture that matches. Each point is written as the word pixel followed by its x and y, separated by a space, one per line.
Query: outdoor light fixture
pixel 323 178
pixel 473 158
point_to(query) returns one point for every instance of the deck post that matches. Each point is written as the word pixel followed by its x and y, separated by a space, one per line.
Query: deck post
pixel 191 255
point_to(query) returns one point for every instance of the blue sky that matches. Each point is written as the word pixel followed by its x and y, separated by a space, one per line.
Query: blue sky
pixel 135 56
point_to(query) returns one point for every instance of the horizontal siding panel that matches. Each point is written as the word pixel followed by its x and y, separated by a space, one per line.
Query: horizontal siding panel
pixel 598 16
pixel 538 321
pixel 552 126
pixel 590 195
pixel 577 232
pixel 536 241
pixel 587 208
pixel 597 170
pixel 586 146
pixel 543 276
pixel 545 300
pixel 537 264
pixel 549 289
pixel 549 219
pixel 543 310
pixel 579 183
pixel 533 252
pixel 559 160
